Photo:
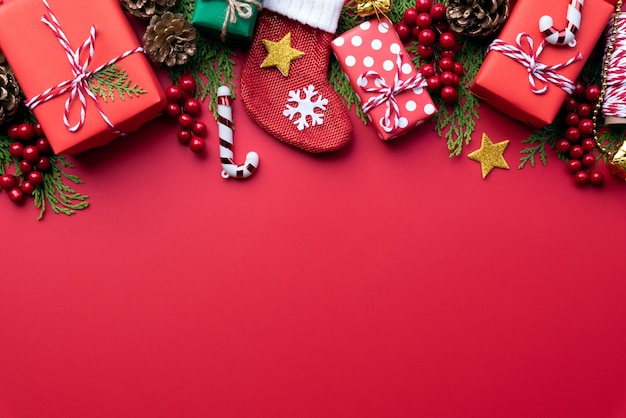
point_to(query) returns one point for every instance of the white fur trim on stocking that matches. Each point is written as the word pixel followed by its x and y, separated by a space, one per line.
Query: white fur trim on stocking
pixel 320 14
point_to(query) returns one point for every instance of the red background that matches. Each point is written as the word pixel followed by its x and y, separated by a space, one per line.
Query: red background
pixel 386 280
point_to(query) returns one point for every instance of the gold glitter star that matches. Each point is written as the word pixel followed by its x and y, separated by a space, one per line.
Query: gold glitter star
pixel 490 155
pixel 280 54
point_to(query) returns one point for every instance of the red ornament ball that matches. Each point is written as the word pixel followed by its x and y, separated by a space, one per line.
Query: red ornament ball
pixel 449 95
pixel 185 120
pixel 31 154
pixel 43 164
pixel 28 187
pixel 173 110
pixel 403 31
pixel 197 145
pixel 427 37
pixel 585 126
pixel 424 21
pixel 581 178
pixel 7 181
pixel 434 83
pixel 574 166
pixel 588 144
pixel 26 167
pixel 446 64
pixel 592 93
pixel 199 128
pixel 427 70
pixel 576 151
pixel 563 145
pixel 571 119
pixel 16 149
pixel 173 93
pixel 26 132
pixel 588 160
pixel 13 132
pixel 447 40
pixel 438 11
pixel 457 68
pixel 596 177
pixel 184 136
pixel 35 177
pixel 193 106
pixel 584 110
pixel 423 6
pixel 572 134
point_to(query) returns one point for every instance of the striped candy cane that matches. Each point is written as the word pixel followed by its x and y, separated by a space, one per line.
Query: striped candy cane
pixel 565 36
pixel 225 127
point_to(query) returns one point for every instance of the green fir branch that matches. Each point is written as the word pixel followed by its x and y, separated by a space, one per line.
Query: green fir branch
pixel 54 194
pixel 538 142
pixel 5 158
pixel 212 65
pixel 611 139
pixel 111 80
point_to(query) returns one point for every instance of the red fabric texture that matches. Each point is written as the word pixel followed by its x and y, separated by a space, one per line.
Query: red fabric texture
pixel 265 91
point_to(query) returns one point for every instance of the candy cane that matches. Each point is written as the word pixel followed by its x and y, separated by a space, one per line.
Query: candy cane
pixel 565 36
pixel 225 127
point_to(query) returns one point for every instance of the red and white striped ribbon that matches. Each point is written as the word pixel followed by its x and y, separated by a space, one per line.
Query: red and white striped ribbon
pixel 529 58
pixel 78 86
pixel 614 104
pixel 387 94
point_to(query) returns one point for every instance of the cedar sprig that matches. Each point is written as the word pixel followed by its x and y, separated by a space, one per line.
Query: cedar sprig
pixel 539 142
pixel 111 80
pixel 212 65
pixel 53 193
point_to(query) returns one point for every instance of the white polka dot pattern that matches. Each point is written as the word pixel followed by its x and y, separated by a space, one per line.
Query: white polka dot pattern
pixel 373 48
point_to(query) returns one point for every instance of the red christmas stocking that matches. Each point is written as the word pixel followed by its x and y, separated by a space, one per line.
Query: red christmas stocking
pixel 284 84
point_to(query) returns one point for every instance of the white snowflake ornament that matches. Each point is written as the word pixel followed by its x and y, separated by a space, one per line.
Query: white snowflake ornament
pixel 305 106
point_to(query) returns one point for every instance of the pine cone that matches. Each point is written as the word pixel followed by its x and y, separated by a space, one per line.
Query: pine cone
pixel 170 39
pixel 478 18
pixel 10 96
pixel 145 9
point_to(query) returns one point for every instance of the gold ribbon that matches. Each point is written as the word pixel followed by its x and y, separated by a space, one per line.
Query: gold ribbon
pixel 235 8
pixel 370 7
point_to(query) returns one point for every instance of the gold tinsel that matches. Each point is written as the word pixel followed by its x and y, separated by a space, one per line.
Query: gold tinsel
pixel 10 96
pixel 478 18
pixel 170 39
pixel 145 9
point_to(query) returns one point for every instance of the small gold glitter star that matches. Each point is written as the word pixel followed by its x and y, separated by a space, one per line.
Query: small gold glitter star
pixel 280 54
pixel 490 155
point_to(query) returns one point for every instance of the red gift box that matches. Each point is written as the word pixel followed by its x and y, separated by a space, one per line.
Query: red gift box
pixel 42 65
pixel 535 95
pixel 392 92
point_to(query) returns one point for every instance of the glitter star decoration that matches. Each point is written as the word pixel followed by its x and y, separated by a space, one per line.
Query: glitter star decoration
pixel 280 54
pixel 490 155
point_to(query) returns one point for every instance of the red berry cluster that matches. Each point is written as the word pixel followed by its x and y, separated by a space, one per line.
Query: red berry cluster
pixel 578 143
pixel 185 109
pixel 427 23
pixel 31 149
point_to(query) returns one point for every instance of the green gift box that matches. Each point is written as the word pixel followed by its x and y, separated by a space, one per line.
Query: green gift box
pixel 229 20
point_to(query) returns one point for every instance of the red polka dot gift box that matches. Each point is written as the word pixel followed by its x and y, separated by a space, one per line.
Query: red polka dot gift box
pixel 392 92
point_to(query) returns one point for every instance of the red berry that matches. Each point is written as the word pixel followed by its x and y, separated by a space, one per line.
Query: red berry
pixel 571 119
pixel 28 187
pixel 434 83
pixel 572 134
pixel 585 126
pixel 26 132
pixel 193 106
pixel 427 37
pixel 16 149
pixel 596 177
pixel 563 145
pixel 423 6
pixel 173 110
pixel 441 26
pixel 409 16
pixel 35 177
pixel 448 53
pixel 574 166
pixel 43 164
pixel 449 95
pixel 199 128
pixel 447 40
pixel 588 160
pixel 13 132
pixel 184 136
pixel 185 120
pixel 446 64
pixel 31 154
pixel 438 11
pixel 403 31
pixel 579 89
pixel 188 84
pixel 448 78
pixel 584 110
pixel 173 93
pixel 25 166
pixel 16 195
pixel 576 151
pixel 39 130
pixel 581 178
pixel 415 31
pixel 592 93
pixel 425 51
pixel 588 144
pixel 570 104
pixel 43 145
pixel 427 70
pixel 457 68
pixel 7 181
pixel 197 145
pixel 423 20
